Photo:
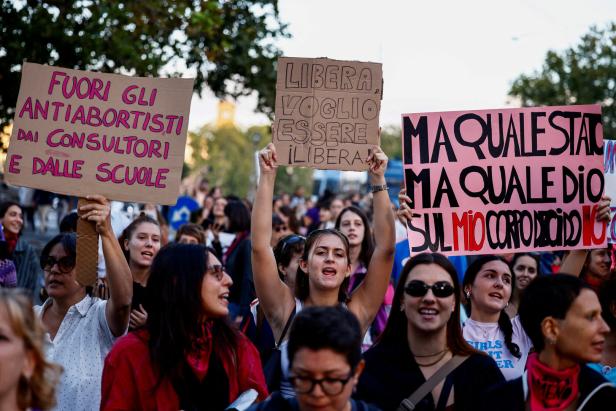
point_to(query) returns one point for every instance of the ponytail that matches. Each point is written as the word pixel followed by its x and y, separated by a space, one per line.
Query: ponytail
pixel 504 323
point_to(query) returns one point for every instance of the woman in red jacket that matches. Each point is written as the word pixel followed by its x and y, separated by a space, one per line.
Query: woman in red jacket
pixel 187 356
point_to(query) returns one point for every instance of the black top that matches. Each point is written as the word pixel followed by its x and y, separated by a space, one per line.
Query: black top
pixel 596 394
pixel 276 402
pixel 138 295
pixel 391 375
pixel 212 393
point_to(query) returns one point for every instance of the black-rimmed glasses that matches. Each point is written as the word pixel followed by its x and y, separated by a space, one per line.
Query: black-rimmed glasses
pixel 330 386
pixel 440 289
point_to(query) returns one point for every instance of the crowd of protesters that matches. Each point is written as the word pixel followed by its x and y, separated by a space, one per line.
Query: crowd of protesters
pixel 290 304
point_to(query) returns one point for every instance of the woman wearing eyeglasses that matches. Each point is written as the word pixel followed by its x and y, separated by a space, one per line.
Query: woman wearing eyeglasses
pixel 325 362
pixel 487 289
pixel 188 356
pixel 422 334
pixel 81 329
pixel 324 268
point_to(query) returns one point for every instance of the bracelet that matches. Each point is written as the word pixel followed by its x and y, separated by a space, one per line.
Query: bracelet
pixel 377 188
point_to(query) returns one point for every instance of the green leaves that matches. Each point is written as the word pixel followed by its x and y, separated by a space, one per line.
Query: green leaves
pixel 584 74
pixel 220 40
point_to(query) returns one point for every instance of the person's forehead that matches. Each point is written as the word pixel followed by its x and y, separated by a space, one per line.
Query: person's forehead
pixel 329 241
pixel 587 301
pixel 497 266
pixel 58 250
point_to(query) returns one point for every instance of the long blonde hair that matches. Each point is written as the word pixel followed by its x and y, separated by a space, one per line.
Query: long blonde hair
pixel 39 391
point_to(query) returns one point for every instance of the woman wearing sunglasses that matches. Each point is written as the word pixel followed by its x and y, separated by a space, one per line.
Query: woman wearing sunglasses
pixel 487 286
pixel 324 268
pixel 81 328
pixel 188 356
pixel 422 334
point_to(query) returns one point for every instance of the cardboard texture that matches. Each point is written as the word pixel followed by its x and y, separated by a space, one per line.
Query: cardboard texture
pixel 499 181
pixel 327 112
pixel 80 132
pixel 87 249
pixel 609 152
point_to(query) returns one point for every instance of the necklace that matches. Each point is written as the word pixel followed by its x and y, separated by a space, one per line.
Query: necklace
pixel 429 355
pixel 444 352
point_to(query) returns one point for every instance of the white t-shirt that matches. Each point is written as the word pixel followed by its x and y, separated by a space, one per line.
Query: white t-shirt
pixel 489 338
pixel 80 347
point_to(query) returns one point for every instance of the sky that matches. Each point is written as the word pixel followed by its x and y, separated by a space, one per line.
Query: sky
pixel 437 55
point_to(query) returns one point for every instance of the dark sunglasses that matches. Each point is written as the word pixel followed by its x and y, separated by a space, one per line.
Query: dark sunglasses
pixel 440 289
pixel 280 228
pixel 290 241
pixel 65 264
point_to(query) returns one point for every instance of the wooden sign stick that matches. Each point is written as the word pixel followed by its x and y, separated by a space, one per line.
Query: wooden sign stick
pixel 87 249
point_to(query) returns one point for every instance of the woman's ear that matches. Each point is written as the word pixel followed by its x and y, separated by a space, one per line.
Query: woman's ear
pixel 126 244
pixel 281 269
pixel 550 328
pixel 303 265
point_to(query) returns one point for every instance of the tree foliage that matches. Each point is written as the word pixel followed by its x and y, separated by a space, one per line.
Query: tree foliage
pixel 228 156
pixel 227 44
pixel 584 74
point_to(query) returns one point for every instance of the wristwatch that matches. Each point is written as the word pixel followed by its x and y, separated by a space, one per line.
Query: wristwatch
pixel 377 188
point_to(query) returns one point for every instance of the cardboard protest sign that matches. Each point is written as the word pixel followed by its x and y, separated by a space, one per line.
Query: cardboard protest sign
pixel 609 158
pixel 79 132
pixel 327 112
pixel 496 181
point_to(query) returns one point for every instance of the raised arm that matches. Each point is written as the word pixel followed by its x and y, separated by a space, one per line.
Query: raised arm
pixel 275 297
pixel 369 296
pixel 574 261
pixel 119 277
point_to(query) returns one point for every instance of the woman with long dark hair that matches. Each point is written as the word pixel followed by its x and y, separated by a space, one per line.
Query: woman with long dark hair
pixel 563 319
pixel 24 256
pixel 353 222
pixel 422 334
pixel 526 268
pixel 140 241
pixel 324 268
pixel 188 356
pixel 487 289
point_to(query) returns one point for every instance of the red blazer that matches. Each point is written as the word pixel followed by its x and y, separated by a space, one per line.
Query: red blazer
pixel 129 379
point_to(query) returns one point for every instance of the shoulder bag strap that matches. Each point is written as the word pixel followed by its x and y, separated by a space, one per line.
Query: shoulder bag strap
pixel 409 403
pixel 286 327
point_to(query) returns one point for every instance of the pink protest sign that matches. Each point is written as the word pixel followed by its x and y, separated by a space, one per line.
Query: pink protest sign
pixel 79 132
pixel 609 156
pixel 497 181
